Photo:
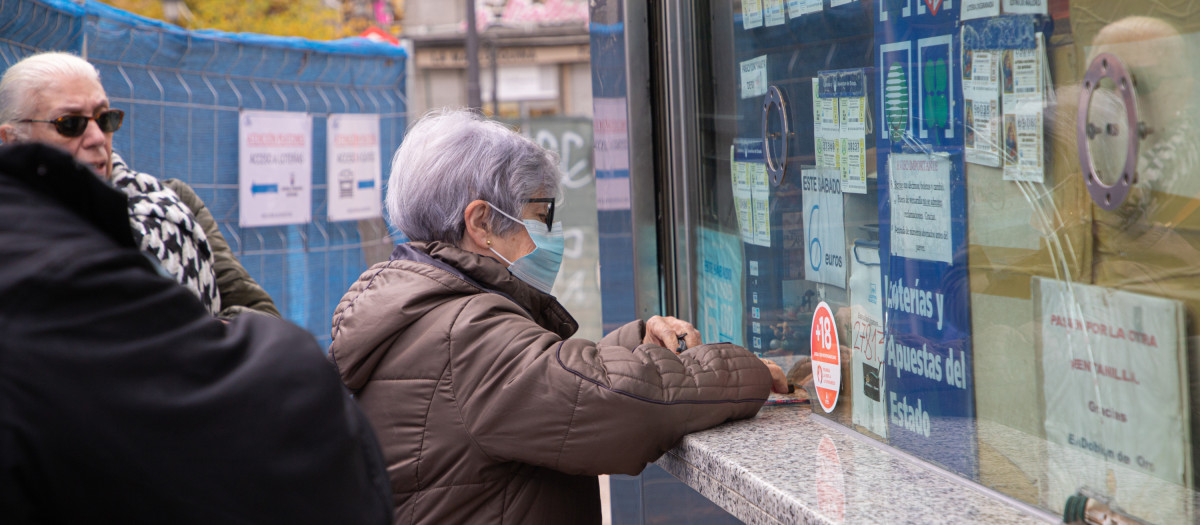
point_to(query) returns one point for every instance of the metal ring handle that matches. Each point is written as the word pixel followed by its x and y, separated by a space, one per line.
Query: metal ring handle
pixel 1107 65
pixel 776 98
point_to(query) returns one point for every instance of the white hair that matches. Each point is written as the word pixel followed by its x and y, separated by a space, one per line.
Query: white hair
pixel 453 157
pixel 22 82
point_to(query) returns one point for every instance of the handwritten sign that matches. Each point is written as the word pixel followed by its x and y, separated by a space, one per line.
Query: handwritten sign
pixel 1115 371
pixel 866 312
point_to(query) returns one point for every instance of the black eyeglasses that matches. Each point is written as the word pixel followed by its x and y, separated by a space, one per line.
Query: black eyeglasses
pixel 72 126
pixel 549 214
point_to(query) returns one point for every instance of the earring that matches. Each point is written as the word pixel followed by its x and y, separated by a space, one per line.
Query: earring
pixel 489 242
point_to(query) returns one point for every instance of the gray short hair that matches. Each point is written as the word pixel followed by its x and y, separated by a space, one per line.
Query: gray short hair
pixel 24 79
pixel 452 157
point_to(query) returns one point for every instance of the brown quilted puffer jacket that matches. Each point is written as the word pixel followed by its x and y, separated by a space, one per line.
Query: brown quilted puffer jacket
pixel 488 413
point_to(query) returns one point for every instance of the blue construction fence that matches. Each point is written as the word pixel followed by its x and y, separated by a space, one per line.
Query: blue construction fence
pixel 182 91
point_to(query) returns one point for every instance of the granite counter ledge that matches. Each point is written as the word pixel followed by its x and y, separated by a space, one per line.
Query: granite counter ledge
pixel 765 470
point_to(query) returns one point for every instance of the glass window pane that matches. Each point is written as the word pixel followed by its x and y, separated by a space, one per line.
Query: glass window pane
pixel 969 233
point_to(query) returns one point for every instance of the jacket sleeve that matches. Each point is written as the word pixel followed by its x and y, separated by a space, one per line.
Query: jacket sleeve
pixel 629 335
pixel 239 291
pixel 585 408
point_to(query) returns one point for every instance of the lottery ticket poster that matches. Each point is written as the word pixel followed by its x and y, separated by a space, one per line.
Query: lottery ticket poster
pixel 1023 90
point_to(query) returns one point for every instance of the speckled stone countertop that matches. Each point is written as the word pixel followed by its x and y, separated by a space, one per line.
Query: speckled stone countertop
pixel 783 466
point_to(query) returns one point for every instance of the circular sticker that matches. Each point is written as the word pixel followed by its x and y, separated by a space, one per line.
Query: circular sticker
pixel 826 358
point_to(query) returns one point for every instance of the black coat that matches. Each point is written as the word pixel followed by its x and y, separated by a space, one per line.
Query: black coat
pixel 123 401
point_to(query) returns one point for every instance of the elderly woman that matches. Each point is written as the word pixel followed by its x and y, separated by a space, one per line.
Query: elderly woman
pixel 486 409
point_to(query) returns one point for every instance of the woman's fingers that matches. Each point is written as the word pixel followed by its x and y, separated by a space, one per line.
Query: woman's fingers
pixel 667 332
pixel 779 383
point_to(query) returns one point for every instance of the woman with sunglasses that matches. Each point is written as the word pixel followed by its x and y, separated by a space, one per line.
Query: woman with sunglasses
pixel 486 409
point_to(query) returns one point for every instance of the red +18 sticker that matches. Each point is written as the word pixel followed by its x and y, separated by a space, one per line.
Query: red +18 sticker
pixel 826 358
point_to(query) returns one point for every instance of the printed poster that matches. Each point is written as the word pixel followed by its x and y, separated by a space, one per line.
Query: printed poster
pixel 826 128
pixel 981 102
pixel 750 178
pixel 1023 91
pixel 774 13
pixel 824 226
pixel 1115 378
pixel 274 168
pixel 868 379
pixel 611 143
pixel 843 101
pixel 742 199
pixel 754 77
pixel 760 193
pixel 354 168
pixel 797 8
pixel 720 288
pixel 929 367
pixel 752 14
pixel 920 218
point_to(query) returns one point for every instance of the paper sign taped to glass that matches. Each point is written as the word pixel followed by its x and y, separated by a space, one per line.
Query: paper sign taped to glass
pixel 1023 78
pixel 868 379
pixel 920 207
pixel 774 13
pixel 752 15
pixel 981 103
pixel 1114 366
pixel 751 191
pixel 824 226
pixel 840 125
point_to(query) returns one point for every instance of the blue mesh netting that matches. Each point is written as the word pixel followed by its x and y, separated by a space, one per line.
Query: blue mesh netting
pixel 182 91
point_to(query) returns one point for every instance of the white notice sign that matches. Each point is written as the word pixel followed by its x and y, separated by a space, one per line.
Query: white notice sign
pixel 754 77
pixel 979 9
pixel 1115 374
pixel 1025 7
pixel 352 153
pixel 824 226
pixel 274 168
pixel 920 198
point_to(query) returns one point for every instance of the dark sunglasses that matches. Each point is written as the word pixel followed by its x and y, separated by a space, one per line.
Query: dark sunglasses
pixel 549 214
pixel 72 126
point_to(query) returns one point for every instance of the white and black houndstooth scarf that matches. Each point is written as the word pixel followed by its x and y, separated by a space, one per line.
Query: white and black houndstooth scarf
pixel 165 228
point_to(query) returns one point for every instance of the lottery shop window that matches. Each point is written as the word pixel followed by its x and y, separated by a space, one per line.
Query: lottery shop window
pixel 997 204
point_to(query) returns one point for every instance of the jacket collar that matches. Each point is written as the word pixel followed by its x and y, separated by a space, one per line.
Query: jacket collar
pixel 490 276
pixel 55 174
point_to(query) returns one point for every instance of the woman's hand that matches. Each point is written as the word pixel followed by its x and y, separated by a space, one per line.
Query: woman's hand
pixel 666 331
pixel 779 382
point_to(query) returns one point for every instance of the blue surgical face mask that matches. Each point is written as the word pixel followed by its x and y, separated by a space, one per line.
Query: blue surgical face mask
pixel 539 267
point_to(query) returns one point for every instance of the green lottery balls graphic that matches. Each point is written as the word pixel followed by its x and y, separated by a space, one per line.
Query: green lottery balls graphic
pixel 895 100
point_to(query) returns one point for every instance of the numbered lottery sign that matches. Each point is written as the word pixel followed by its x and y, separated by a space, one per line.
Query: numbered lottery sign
pixel 826 358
